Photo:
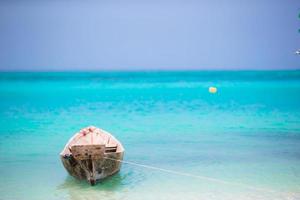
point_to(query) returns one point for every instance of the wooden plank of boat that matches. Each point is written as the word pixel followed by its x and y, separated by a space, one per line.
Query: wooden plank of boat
pixel 85 152
pixel 84 156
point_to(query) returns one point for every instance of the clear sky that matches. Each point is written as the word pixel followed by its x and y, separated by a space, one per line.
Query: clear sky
pixel 149 34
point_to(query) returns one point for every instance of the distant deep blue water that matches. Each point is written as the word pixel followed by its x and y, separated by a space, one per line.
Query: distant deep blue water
pixel 248 133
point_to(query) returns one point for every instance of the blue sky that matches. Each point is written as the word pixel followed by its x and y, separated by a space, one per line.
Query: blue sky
pixel 61 35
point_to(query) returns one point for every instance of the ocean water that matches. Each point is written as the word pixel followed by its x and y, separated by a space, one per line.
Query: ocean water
pixel 246 137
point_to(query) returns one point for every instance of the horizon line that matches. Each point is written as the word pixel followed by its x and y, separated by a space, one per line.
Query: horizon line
pixel 142 70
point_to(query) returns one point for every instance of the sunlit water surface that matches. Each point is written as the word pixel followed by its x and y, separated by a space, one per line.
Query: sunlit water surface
pixel 247 134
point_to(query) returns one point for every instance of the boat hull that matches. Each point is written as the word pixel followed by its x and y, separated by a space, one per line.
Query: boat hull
pixel 93 170
pixel 92 154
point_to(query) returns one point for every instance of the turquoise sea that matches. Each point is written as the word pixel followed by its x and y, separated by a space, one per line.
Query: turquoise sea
pixel 247 134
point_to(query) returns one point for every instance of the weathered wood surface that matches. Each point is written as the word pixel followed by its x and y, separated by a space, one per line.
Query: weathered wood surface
pixel 84 152
pixel 84 156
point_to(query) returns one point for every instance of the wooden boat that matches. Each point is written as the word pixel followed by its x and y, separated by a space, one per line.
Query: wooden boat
pixel 92 154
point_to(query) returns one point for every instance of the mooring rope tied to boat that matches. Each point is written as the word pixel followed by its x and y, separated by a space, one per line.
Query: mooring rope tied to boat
pixel 197 176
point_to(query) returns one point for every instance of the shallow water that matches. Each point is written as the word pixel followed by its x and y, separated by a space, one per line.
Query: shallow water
pixel 247 134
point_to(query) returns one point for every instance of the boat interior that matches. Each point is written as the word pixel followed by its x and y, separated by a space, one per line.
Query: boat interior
pixel 92 141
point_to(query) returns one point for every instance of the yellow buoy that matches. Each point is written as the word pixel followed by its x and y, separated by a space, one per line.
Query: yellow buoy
pixel 212 90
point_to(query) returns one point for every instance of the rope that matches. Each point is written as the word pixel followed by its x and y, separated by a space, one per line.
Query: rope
pixel 196 176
